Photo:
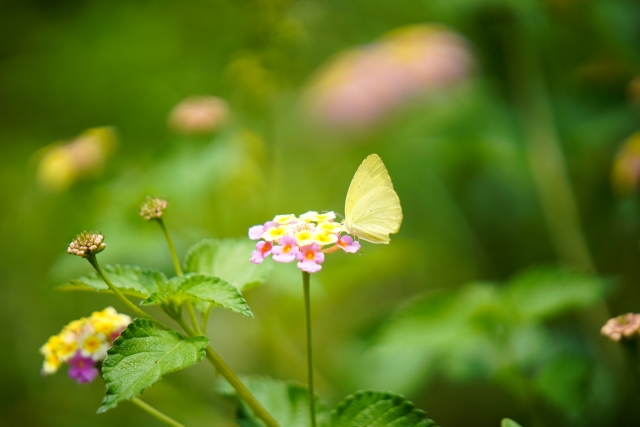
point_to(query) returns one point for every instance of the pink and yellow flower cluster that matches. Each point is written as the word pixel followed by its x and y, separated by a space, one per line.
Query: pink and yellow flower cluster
pixel 83 343
pixel 305 239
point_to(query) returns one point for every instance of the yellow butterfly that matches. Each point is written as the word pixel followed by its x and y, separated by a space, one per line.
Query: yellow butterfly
pixel 372 209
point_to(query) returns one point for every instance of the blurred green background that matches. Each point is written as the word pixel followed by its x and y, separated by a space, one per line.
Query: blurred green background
pixel 517 244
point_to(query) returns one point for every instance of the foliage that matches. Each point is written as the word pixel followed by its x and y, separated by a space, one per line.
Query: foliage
pixel 226 259
pixel 558 76
pixel 288 402
pixel 485 331
pixel 130 280
pixel 142 355
pixel 202 288
pixel 378 409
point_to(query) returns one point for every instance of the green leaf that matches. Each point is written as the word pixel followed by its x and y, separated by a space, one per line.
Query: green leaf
pixel 141 356
pixel 567 380
pixel 227 259
pixel 287 402
pixel 463 334
pixel 130 280
pixel 506 422
pixel 378 409
pixel 545 292
pixel 203 288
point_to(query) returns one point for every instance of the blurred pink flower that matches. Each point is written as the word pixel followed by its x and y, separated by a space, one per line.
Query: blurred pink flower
pixel 359 87
pixel 624 326
pixel 82 369
pixel 199 115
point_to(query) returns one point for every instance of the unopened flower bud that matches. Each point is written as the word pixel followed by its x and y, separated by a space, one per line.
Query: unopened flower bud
pixel 626 326
pixel 153 208
pixel 87 244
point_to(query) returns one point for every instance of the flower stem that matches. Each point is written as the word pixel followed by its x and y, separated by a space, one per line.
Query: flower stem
pixel 632 357
pixel 241 389
pixel 194 319
pixel 545 152
pixel 205 317
pixel 233 380
pixel 306 279
pixel 212 356
pixel 94 263
pixel 172 248
pixel 178 268
pixel 155 413
pixel 185 326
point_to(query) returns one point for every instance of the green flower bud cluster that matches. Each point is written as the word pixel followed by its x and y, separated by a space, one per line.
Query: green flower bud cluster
pixel 87 244
pixel 153 208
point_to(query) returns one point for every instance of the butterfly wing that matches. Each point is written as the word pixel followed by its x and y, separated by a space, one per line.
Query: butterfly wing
pixel 372 208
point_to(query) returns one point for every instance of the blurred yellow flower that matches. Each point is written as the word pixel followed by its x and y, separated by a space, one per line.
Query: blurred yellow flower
pixel 83 340
pixel 61 164
pixel 625 173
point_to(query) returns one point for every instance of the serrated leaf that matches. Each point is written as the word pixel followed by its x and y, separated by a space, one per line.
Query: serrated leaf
pixel 227 259
pixel 288 403
pixel 141 356
pixel 506 422
pixel 203 288
pixel 378 409
pixel 541 293
pixel 130 280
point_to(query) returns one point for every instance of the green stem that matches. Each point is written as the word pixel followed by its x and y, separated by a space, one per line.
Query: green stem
pixel 172 248
pixel 233 380
pixel 241 389
pixel 306 280
pixel 194 319
pixel 94 262
pixel 185 326
pixel 155 413
pixel 544 151
pixel 205 318
pixel 212 356
pixel 631 354
pixel 178 268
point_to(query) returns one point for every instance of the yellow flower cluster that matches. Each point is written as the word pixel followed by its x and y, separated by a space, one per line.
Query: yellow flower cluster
pixel 88 337
pixel 309 228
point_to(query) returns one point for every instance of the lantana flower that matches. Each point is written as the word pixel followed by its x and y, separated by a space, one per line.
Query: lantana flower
pixel 286 251
pixel 305 239
pixel 83 344
pixel 348 244
pixel 263 249
pixel 623 327
pixel 310 258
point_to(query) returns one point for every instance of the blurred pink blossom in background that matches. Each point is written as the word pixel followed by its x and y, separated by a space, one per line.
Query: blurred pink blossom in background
pixel 358 87
pixel 199 115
